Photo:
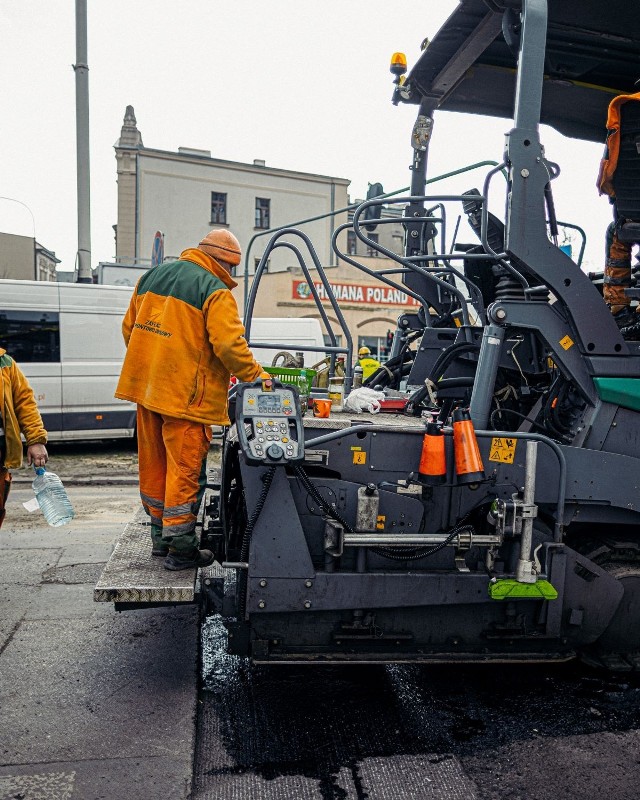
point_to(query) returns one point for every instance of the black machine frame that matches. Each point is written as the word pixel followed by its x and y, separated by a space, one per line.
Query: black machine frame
pixel 360 552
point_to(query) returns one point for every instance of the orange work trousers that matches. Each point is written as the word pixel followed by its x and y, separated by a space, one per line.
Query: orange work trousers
pixel 617 271
pixel 172 457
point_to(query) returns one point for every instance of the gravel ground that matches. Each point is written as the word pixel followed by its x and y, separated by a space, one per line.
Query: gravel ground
pixel 95 460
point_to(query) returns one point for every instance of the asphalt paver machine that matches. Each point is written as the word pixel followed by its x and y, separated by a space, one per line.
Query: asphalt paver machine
pixel 498 517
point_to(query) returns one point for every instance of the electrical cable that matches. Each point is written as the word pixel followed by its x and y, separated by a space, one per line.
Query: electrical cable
pixel 315 494
pixel 515 413
pixel 391 371
pixel 439 368
pixel 246 539
pixel 396 555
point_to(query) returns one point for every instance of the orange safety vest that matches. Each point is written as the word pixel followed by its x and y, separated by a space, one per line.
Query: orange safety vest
pixel 609 160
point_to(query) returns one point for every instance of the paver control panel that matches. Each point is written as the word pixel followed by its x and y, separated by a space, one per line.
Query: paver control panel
pixel 269 423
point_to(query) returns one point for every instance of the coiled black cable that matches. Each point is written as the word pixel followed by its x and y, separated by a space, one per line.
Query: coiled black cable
pixel 394 554
pixel 246 539
pixel 397 555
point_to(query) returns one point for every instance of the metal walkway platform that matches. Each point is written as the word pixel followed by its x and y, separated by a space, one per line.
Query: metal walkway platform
pixel 133 575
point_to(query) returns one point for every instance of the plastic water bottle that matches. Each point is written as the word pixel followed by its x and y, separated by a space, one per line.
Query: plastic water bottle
pixel 52 498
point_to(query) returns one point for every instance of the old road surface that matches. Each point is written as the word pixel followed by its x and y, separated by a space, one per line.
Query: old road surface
pixel 138 706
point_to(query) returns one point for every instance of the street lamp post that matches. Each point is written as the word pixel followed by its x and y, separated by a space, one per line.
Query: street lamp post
pixel 24 205
pixel 81 68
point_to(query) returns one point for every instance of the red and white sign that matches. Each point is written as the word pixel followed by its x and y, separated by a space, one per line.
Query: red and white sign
pixel 357 293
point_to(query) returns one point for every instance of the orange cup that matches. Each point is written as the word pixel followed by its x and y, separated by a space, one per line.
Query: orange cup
pixel 321 407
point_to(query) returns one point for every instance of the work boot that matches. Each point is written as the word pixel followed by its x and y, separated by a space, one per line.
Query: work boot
pixel 632 332
pixel 625 317
pixel 188 560
pixel 160 547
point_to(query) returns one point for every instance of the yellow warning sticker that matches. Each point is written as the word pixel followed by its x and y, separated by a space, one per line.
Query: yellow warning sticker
pixel 359 456
pixel 566 342
pixel 503 450
pixel 380 522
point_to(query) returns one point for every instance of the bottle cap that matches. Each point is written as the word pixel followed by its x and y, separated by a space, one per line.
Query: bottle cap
pixel 40 470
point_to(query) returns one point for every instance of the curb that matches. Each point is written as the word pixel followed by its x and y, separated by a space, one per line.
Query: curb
pixel 93 480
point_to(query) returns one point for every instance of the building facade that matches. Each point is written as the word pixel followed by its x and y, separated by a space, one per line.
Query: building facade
pixel 22 258
pixel 185 194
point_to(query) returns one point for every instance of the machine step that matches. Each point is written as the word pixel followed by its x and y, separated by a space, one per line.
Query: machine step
pixel 133 575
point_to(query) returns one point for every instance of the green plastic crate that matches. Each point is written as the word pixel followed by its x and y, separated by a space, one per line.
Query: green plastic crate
pixel 301 378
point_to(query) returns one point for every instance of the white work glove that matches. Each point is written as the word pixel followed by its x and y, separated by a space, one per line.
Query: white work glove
pixel 364 399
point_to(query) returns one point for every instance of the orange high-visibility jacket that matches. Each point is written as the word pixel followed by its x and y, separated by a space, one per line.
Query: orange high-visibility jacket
pixel 612 148
pixel 18 410
pixel 184 338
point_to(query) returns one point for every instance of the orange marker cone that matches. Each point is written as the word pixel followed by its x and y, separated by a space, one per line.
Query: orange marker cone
pixel 433 462
pixel 469 466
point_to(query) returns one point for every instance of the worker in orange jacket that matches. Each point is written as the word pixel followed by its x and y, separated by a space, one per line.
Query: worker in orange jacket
pixel 18 415
pixel 184 339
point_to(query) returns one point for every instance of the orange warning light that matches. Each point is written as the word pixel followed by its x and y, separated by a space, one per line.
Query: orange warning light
pixel 398 64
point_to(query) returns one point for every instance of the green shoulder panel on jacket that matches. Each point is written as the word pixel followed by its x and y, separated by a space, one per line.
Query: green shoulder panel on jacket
pixel 183 280
pixel 5 361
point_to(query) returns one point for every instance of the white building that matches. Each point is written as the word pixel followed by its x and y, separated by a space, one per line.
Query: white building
pixel 186 194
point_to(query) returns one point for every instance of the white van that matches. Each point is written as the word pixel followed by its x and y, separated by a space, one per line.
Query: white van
pixel 67 339
pixel 292 332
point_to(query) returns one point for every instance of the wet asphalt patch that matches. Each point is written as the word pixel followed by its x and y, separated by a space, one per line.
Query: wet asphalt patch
pixel 330 731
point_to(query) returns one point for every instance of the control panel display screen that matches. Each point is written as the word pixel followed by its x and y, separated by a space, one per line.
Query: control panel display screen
pixel 269 404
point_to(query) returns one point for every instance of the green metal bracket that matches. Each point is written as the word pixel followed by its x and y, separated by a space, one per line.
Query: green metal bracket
pixel 510 589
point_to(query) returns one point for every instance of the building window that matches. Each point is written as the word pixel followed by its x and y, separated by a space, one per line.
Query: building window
pixel 372 251
pixel 256 264
pixel 46 270
pixel 351 243
pixel 329 343
pixel 398 244
pixel 262 213
pixel 219 208
pixel 380 346
pixel 31 336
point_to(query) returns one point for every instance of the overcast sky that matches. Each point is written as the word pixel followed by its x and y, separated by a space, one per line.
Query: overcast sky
pixel 302 85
